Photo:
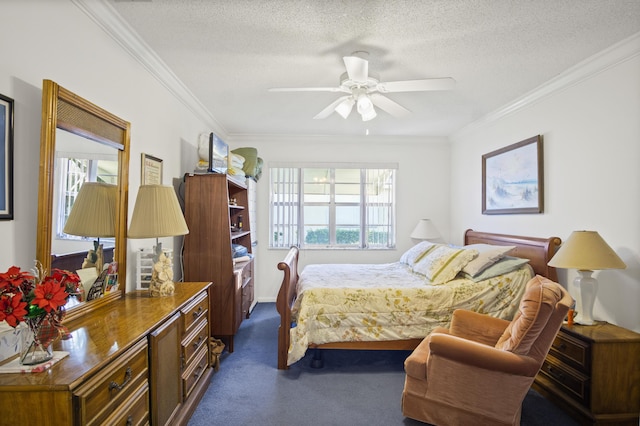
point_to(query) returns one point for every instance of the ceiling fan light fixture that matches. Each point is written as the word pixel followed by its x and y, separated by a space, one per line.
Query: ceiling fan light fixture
pixel 369 115
pixel 364 104
pixel 345 107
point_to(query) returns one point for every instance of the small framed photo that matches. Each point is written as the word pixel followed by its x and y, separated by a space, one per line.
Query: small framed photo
pixel 6 158
pixel 512 178
pixel 151 173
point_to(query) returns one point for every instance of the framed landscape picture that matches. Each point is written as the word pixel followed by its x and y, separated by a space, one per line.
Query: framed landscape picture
pixel 6 160
pixel 512 178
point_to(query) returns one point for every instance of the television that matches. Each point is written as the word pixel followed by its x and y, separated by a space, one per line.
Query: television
pixel 218 154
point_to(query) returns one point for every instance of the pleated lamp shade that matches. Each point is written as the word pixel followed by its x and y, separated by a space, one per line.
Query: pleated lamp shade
pixel 157 213
pixel 94 211
pixel 586 250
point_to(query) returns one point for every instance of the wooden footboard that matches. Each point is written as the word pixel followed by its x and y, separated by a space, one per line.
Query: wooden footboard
pixel 284 302
pixel 538 250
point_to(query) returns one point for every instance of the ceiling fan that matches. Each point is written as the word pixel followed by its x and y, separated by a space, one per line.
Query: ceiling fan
pixel 365 90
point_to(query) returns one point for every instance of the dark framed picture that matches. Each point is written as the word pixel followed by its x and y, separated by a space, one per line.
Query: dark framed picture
pixel 151 170
pixel 512 178
pixel 6 162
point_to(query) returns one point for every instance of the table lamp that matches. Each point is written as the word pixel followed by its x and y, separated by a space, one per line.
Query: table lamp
pixel 425 230
pixel 93 214
pixel 157 214
pixel 586 251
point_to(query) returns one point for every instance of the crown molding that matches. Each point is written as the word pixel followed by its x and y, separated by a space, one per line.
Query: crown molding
pixel 107 18
pixel 601 61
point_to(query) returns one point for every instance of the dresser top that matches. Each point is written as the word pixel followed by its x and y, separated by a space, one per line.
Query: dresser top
pixel 602 332
pixel 102 335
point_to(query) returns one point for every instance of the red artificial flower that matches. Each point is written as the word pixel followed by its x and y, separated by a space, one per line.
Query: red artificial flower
pixel 12 309
pixel 50 295
pixel 14 278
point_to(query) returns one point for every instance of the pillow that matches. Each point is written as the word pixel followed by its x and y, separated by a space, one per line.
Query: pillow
pixel 503 266
pixel 536 307
pixel 488 255
pixel 443 263
pixel 416 252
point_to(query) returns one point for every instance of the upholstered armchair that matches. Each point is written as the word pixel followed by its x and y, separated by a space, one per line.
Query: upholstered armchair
pixel 479 370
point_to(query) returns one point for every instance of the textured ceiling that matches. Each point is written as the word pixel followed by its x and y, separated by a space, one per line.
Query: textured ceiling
pixel 229 52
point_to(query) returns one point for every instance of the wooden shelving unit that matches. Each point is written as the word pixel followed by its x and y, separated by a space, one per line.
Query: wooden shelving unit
pixel 213 203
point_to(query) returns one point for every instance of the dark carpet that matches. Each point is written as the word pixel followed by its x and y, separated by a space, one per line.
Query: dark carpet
pixel 353 387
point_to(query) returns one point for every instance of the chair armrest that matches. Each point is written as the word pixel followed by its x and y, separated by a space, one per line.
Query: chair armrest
pixel 477 327
pixel 480 355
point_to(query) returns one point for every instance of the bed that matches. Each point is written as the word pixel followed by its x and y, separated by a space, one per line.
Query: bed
pixel 394 317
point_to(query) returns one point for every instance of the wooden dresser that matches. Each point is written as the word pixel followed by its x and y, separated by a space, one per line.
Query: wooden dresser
pixel 593 372
pixel 135 361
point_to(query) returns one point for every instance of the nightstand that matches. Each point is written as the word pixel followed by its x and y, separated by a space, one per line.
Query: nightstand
pixel 593 373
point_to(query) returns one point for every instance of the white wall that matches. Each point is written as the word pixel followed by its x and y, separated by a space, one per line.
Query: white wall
pixel 422 192
pixel 591 130
pixel 55 40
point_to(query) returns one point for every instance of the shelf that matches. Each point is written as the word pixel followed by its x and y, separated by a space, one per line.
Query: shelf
pixel 234 206
pixel 236 235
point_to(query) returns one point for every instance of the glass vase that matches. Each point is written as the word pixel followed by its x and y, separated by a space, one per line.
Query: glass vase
pixel 33 351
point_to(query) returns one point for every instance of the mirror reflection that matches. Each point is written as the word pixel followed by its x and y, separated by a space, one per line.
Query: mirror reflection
pixel 83 147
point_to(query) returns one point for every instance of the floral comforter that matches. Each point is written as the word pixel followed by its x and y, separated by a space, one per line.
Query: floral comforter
pixel 363 302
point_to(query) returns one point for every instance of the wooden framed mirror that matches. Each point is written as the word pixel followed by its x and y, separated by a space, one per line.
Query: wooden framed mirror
pixel 67 116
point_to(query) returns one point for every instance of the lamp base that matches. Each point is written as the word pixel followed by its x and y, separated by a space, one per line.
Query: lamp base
pixel 161 283
pixel 588 287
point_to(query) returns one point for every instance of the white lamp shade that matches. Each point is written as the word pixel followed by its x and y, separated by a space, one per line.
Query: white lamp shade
pixel 93 213
pixel 157 213
pixel 586 250
pixel 426 230
pixel 344 108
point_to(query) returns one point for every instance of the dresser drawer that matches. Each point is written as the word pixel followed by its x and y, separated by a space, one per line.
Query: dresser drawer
pixel 194 341
pixel 572 382
pixel 574 352
pixel 135 411
pixel 99 396
pixel 194 311
pixel 194 371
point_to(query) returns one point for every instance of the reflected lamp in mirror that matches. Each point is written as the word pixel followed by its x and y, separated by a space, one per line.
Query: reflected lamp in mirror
pixel 425 230
pixel 157 214
pixel 586 251
pixel 93 215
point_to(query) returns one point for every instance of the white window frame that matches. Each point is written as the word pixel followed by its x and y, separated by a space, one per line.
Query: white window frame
pixel 286 205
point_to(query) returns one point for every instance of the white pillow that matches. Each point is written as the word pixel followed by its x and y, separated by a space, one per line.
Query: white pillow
pixel 488 255
pixel 503 266
pixel 416 252
pixel 443 263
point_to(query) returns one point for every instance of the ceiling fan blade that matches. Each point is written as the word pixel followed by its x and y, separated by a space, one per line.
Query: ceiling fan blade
pixel 357 68
pixel 307 89
pixel 329 110
pixel 426 84
pixel 388 105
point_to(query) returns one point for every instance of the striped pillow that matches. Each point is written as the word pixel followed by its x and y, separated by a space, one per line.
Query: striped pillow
pixel 415 253
pixel 443 263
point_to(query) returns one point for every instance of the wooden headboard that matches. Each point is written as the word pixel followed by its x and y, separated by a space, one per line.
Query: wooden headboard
pixel 538 250
pixel 73 261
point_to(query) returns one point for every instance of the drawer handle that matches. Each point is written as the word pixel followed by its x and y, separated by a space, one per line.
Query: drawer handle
pixel 562 347
pixel 129 420
pixel 198 343
pixel 198 371
pixel 197 313
pixel 555 373
pixel 127 378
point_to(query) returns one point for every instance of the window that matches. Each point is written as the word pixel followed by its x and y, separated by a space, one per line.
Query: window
pixel 73 173
pixel 332 206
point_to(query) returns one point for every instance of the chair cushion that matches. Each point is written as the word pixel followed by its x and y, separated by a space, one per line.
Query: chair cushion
pixel 537 305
